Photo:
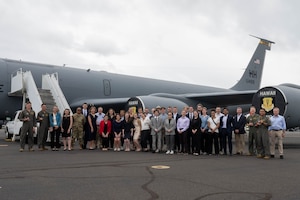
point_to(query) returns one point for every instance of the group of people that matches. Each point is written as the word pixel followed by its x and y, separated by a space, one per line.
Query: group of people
pixel 192 131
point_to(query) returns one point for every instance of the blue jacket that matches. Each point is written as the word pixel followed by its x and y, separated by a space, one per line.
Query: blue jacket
pixel 58 119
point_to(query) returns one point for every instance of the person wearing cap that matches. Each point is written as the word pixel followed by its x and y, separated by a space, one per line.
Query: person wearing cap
pixel 277 130
pixel 27 116
pixel 78 127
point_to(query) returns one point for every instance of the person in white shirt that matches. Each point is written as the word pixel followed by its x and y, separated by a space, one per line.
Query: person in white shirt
pixel 100 115
pixel 219 114
pixel 145 133
pixel 213 124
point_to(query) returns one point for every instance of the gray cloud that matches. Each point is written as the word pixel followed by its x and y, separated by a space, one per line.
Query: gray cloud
pixel 151 38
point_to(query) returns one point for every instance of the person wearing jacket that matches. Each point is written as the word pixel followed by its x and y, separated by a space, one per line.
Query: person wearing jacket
pixel 55 123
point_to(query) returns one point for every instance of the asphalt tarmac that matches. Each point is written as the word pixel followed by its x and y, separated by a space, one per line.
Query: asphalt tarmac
pixel 86 174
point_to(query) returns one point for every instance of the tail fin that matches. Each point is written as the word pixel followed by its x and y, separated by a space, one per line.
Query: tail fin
pixel 251 78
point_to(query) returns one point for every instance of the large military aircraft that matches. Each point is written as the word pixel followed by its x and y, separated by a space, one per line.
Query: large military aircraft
pixel 284 96
pixel 117 91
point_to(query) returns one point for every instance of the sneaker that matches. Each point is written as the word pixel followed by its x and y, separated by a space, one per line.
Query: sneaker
pixel 196 154
pixel 281 156
pixel 115 149
pixel 118 149
pixel 168 152
pixel 272 156
pixel 21 150
pixel 259 156
pixel 41 149
pixel 266 157
pixel 31 149
pixel 157 151
pixel 171 152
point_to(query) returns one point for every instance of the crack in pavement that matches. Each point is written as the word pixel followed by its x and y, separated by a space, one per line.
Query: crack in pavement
pixel 145 186
pixel 267 196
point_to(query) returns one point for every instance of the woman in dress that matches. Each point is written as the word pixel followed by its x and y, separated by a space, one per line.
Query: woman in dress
pixel 92 128
pixel 111 117
pixel 195 127
pixel 137 132
pixel 66 126
pixel 117 131
pixel 127 131
pixel 104 131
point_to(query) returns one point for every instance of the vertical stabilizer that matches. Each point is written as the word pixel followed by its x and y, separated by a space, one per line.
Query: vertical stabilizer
pixel 251 78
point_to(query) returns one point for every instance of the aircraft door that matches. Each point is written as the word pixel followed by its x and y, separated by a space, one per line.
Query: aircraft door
pixel 106 87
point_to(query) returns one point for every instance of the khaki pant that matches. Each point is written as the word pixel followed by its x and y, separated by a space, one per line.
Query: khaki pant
pixel 273 135
pixel 239 143
pixel 98 139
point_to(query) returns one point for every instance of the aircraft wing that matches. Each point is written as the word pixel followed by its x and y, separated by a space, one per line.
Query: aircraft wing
pixel 223 98
pixel 108 102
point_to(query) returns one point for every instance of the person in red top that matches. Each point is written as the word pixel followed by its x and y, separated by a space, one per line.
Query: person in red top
pixel 104 131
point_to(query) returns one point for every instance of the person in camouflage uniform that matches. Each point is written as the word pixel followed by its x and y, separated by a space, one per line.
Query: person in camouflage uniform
pixel 262 138
pixel 78 127
pixel 252 119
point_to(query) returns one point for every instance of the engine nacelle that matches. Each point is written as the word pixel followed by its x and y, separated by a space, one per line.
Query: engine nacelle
pixel 286 97
pixel 154 101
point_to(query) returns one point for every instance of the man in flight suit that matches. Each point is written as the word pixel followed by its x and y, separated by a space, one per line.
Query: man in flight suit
pixel 43 119
pixel 28 118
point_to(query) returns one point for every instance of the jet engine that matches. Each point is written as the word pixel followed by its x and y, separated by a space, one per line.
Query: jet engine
pixel 285 96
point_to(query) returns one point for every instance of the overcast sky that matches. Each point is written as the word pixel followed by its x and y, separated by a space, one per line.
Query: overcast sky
pixel 201 42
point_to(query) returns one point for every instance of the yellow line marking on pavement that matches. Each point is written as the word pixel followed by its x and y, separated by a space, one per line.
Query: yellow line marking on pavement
pixel 160 167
